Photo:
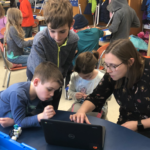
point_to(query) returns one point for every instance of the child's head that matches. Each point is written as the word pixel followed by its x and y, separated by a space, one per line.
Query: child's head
pixel 46 79
pixel 2 11
pixel 14 18
pixel 80 21
pixel 58 15
pixel 86 63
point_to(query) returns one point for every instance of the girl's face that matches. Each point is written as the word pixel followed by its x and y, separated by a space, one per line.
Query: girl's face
pixel 115 67
pixel 87 76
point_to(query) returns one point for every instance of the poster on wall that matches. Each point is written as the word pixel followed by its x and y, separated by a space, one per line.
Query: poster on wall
pixel 74 2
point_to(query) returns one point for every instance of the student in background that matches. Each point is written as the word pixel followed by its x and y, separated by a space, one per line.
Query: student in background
pixel 124 18
pixel 14 37
pixel 84 80
pixel 88 37
pixel 20 99
pixel 56 43
pixel 2 22
pixel 28 20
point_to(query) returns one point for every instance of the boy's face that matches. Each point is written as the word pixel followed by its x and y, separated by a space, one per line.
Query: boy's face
pixel 60 34
pixel 45 91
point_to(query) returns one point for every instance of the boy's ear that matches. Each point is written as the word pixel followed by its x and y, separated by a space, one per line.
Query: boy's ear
pixel 72 23
pixel 36 81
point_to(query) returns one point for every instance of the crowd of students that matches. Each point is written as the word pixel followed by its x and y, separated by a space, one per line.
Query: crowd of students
pixel 53 50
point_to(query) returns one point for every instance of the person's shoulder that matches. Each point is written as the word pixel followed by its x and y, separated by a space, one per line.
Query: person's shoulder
pixel 72 37
pixel 75 75
pixel 40 36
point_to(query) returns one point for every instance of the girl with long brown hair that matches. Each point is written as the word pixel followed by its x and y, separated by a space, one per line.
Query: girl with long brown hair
pixel 14 37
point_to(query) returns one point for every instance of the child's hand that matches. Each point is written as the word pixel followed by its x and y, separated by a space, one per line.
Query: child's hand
pixel 79 95
pixel 6 122
pixel 84 96
pixel 48 112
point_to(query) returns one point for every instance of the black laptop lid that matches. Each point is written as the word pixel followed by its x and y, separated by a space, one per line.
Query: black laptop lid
pixel 72 134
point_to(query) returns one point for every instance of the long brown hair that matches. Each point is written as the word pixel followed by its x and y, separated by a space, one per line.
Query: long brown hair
pixel 58 13
pixel 2 11
pixel 13 19
pixel 86 62
pixel 124 50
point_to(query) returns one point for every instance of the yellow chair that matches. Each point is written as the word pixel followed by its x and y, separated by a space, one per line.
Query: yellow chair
pixel 8 65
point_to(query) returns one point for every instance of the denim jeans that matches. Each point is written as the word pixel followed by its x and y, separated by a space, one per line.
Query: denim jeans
pixel 22 59
pixel 28 31
pixel 2 40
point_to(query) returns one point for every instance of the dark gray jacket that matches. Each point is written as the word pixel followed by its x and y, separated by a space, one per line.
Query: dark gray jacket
pixel 44 48
pixel 124 18
pixel 15 44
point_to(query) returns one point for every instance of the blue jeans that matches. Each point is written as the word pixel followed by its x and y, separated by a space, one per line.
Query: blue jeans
pixel 22 59
pixel 28 31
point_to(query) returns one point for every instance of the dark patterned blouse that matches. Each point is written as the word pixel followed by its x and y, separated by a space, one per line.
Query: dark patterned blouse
pixel 134 104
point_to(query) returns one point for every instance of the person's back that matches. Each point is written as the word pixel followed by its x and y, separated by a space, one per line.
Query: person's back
pixel 88 37
pixel 14 36
pixel 124 18
pixel 27 14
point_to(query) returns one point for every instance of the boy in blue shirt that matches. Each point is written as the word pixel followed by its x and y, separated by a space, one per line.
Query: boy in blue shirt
pixel 88 37
pixel 19 100
pixel 56 43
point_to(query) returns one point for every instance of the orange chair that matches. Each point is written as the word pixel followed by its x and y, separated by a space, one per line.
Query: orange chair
pixel 147 56
pixel 8 65
pixel 101 52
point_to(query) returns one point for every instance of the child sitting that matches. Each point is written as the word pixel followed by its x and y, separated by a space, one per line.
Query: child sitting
pixel 56 43
pixel 84 80
pixel 20 99
pixel 88 37
pixel 15 38
pixel 2 22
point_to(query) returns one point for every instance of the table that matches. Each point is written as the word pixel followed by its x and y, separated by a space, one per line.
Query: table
pixel 117 137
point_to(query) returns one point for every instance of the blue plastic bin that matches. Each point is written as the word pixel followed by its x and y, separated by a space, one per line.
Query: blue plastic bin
pixel 6 143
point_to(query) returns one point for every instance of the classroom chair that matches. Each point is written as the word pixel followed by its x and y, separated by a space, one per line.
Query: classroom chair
pixel 101 52
pixel 8 65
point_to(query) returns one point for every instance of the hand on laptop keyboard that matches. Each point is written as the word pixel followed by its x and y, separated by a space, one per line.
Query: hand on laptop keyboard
pixel 79 118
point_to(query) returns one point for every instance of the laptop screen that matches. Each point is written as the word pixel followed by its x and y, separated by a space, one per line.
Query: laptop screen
pixel 41 27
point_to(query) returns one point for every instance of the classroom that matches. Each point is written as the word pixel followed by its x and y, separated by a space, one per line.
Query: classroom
pixel 75 74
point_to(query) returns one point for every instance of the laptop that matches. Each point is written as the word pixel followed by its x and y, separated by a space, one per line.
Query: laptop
pixel 41 27
pixel 71 134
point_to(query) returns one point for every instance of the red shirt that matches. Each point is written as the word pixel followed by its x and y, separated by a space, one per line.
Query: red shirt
pixel 25 8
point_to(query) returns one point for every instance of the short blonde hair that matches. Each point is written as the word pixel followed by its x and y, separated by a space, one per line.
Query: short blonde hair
pixel 58 13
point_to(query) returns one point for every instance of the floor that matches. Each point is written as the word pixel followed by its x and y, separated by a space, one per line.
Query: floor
pixel 20 76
